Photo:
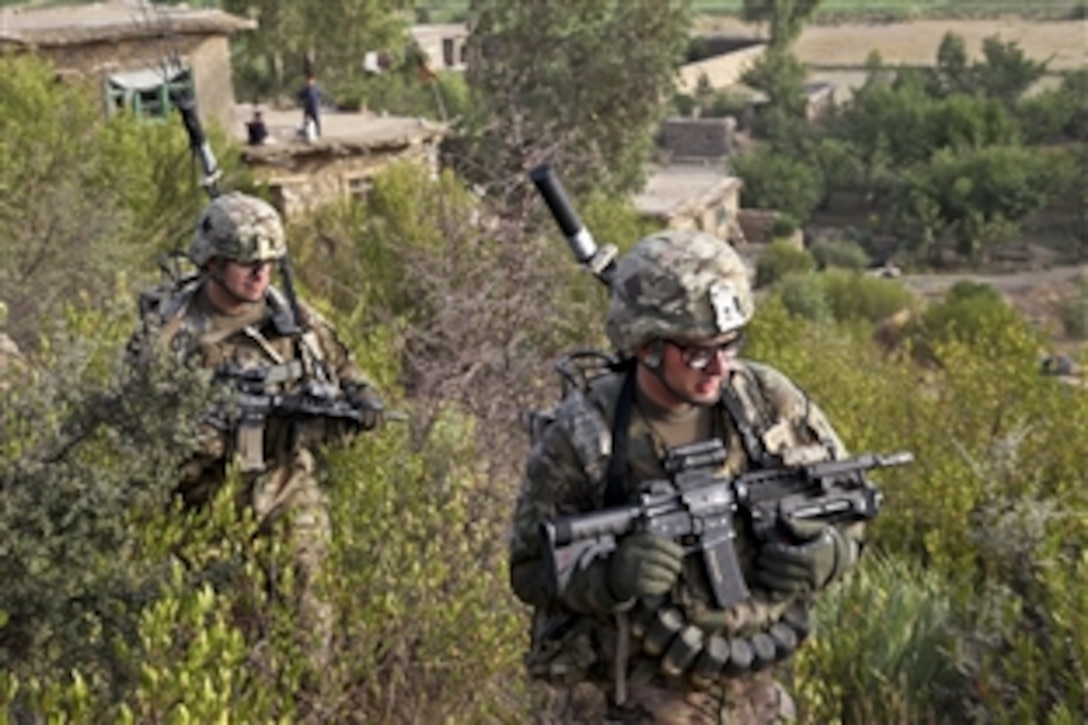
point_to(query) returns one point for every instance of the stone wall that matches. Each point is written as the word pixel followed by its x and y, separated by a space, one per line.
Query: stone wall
pixel 314 179
pixel 698 138
pixel 207 55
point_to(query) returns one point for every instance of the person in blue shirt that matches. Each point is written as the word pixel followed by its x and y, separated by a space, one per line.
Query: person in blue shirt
pixel 310 98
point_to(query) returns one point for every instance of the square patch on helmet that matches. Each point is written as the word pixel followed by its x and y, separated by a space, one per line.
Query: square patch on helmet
pixel 728 313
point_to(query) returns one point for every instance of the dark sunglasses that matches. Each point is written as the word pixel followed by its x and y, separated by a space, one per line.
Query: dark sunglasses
pixel 698 357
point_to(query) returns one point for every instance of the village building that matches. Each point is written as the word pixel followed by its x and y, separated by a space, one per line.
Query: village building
pixel 352 148
pixel 693 196
pixel 443 45
pixel 137 54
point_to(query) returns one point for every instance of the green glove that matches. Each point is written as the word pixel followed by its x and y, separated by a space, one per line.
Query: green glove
pixel 644 565
pixel 369 405
pixel 814 555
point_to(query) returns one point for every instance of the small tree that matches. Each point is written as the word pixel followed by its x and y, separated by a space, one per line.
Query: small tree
pixel 780 259
pixel 774 180
pixel 543 89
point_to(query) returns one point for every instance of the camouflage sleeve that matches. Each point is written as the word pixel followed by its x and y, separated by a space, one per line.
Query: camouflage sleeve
pixel 812 426
pixel 338 357
pixel 558 480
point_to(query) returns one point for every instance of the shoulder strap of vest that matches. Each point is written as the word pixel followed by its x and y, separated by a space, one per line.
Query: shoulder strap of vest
pixel 753 444
pixel 616 481
pixel 615 492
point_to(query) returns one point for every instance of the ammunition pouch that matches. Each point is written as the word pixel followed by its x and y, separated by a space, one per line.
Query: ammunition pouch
pixel 706 658
pixel 564 649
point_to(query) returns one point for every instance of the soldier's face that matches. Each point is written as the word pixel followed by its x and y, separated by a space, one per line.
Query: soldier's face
pixel 694 371
pixel 247 282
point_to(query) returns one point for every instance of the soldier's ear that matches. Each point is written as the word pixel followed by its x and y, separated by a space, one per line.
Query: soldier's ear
pixel 651 353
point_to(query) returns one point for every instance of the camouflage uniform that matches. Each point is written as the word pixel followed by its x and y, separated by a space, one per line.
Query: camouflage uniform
pixel 670 654
pixel 276 460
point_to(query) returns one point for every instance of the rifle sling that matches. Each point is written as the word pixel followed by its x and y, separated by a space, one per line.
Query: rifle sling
pixel 753 446
pixel 615 493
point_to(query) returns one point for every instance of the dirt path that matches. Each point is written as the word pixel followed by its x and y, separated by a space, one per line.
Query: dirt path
pixel 1040 296
pixel 1017 285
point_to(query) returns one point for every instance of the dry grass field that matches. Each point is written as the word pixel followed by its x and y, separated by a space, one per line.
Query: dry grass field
pixel 831 51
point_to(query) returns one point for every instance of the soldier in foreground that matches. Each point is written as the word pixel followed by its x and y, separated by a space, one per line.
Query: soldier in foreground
pixel 297 384
pixel 641 621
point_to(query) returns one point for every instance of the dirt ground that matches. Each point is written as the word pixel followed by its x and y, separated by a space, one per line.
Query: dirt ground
pixel 1037 294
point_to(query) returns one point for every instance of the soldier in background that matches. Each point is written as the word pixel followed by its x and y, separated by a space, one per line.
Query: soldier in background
pixel 680 302
pixel 229 319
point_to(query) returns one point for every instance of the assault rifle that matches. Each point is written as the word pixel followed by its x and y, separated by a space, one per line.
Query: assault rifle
pixel 695 507
pixel 256 397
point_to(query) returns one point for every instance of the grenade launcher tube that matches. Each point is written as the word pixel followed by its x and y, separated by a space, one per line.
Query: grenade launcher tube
pixel 599 260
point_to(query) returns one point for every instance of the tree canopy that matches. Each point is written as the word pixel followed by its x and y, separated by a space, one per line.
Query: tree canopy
pixel 580 84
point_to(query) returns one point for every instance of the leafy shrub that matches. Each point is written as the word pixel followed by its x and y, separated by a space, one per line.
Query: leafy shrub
pixel 1074 312
pixel 99 455
pixel 804 295
pixel 684 104
pixel 784 226
pixel 857 296
pixel 780 259
pixel 845 254
pixel 776 180
pixel 723 103
pixel 880 649
pixel 968 312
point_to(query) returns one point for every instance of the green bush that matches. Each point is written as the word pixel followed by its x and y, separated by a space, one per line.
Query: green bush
pixel 1074 312
pixel 845 254
pixel 777 180
pixel 857 296
pixel 804 295
pixel 968 313
pixel 780 259
pixel 784 227
pixel 880 653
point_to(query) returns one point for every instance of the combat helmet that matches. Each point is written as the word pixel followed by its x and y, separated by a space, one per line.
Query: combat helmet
pixel 238 227
pixel 677 285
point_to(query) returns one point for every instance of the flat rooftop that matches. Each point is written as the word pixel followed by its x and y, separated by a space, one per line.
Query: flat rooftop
pixel 676 188
pixel 108 21
pixel 341 132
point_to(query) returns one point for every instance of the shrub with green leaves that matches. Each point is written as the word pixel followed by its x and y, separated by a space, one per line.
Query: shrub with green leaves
pixel 994 505
pixel 779 259
pixel 84 195
pixel 1074 312
pixel 804 294
pixel 968 312
pixel 856 296
pixel 842 254
pixel 880 649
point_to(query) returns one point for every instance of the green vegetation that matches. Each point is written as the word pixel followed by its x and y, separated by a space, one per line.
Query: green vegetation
pixel 951 160
pixel 116 607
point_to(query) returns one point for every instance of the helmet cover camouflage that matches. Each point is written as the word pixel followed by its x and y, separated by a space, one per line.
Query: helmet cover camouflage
pixel 240 228
pixel 678 285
